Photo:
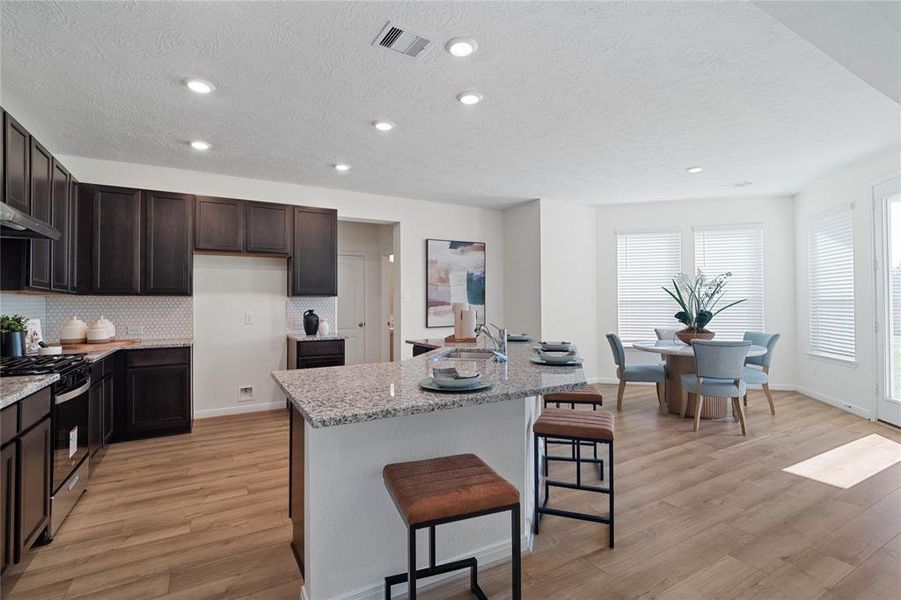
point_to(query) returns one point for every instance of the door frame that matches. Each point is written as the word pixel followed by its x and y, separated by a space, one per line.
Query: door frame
pixel 363 259
pixel 887 408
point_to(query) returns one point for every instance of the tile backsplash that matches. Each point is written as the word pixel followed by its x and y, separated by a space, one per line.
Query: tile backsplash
pixel 32 306
pixel 145 317
pixel 325 307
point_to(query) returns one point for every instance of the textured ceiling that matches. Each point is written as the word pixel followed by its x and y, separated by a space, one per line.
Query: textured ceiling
pixel 587 102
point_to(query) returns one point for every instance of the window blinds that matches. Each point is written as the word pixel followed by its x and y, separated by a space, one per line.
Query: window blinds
pixel 645 262
pixel 831 284
pixel 736 249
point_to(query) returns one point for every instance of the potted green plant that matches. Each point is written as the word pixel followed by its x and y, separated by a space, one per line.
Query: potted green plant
pixel 697 298
pixel 12 335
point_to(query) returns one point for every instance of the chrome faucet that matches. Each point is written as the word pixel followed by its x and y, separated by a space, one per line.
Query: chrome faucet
pixel 500 342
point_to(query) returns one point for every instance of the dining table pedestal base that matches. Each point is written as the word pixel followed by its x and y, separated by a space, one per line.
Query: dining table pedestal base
pixel 676 367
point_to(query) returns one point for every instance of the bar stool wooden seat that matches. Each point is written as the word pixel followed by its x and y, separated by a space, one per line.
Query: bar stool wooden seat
pixel 442 490
pixel 588 396
pixel 575 426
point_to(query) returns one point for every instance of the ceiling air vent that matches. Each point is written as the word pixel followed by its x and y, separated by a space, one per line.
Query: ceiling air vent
pixel 400 40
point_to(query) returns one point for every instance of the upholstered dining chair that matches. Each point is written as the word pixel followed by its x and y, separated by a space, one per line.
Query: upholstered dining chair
pixel 718 367
pixel 666 333
pixel 757 368
pixel 655 373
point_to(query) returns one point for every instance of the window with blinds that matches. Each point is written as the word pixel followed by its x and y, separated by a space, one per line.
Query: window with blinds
pixel 736 249
pixel 646 261
pixel 831 284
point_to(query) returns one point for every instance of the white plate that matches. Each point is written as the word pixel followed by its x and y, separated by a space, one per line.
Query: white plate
pixel 428 384
pixel 555 346
pixel 574 363
pixel 455 384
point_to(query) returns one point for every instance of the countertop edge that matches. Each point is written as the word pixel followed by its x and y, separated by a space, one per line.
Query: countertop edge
pixel 34 384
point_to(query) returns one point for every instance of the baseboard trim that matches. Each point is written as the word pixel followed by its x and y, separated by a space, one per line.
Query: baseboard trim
pixel 486 556
pixel 235 410
pixel 856 410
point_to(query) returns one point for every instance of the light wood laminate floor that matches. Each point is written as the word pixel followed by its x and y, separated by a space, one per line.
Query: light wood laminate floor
pixel 699 515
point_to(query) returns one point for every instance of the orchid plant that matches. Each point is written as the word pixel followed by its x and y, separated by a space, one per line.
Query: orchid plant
pixel 698 297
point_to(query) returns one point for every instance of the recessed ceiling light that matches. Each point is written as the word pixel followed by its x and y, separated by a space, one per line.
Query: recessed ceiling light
pixel 199 86
pixel 461 47
pixel 469 98
pixel 383 125
pixel 694 169
pixel 200 145
pixel 342 167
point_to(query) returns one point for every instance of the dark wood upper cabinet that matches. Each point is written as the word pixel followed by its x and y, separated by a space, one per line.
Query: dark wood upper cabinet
pixel 41 208
pixel 116 240
pixel 75 243
pixel 34 484
pixel 314 266
pixel 218 224
pixel 59 218
pixel 268 228
pixel 168 245
pixel 16 153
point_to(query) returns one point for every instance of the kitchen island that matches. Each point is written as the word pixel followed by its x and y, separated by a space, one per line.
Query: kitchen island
pixel 348 422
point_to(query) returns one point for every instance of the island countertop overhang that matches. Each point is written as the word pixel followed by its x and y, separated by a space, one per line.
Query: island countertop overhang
pixel 333 396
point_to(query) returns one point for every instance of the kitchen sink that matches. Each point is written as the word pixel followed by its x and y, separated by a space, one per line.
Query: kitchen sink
pixel 466 354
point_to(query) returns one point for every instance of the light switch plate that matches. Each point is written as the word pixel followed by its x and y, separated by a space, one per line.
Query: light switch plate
pixel 248 318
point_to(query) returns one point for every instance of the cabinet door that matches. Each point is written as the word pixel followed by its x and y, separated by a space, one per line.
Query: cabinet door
pixel 158 400
pixel 59 218
pixel 7 506
pixel 218 224
pixel 16 152
pixel 95 418
pixel 34 484
pixel 268 228
pixel 74 242
pixel 116 261
pixel 108 401
pixel 41 208
pixel 168 247
pixel 314 265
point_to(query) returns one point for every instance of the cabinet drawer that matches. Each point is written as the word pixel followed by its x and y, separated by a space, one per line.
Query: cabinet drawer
pixel 9 423
pixel 324 348
pixel 101 369
pixel 158 356
pixel 34 408
pixel 313 362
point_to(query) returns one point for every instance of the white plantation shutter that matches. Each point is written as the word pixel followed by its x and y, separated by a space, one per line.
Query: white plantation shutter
pixel 736 249
pixel 831 273
pixel 646 261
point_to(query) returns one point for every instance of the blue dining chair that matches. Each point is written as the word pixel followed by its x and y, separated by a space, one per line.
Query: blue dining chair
pixel 635 373
pixel 718 374
pixel 757 368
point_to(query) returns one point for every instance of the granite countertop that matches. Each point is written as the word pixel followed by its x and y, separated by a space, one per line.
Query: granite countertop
pixel 13 389
pixel 302 337
pixel 331 396
pixel 143 344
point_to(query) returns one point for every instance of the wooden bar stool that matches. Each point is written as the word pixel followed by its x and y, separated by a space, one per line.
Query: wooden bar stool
pixel 442 490
pixel 576 427
pixel 590 396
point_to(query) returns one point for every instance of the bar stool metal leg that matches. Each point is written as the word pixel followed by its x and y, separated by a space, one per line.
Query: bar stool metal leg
pixel 411 563
pixel 516 565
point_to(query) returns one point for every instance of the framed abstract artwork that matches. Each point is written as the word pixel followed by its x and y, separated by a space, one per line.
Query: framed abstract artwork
pixel 455 272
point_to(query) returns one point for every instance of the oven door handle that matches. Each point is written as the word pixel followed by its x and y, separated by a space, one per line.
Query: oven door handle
pixel 73 393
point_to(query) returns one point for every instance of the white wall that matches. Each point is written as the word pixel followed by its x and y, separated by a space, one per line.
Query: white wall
pixel 418 220
pixel 852 387
pixel 569 278
pixel 227 352
pixel 522 271
pixel 776 216
pixel 371 241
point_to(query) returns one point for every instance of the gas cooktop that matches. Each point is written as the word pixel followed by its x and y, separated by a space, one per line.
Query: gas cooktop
pixel 40 365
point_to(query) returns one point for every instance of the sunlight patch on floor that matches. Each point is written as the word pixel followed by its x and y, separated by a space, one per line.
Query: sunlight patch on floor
pixel 848 465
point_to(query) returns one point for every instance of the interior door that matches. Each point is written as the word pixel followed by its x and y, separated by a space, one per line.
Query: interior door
pixel 887 205
pixel 352 306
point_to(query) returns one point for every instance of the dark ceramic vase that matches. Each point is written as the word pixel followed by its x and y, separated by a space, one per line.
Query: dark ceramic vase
pixel 310 322
pixel 12 343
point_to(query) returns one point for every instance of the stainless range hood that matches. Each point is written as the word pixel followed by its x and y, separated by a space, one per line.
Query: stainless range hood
pixel 16 224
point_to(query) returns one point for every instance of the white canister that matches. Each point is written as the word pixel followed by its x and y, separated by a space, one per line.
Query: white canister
pixel 324 328
pixel 468 324
pixel 458 309
pixel 73 331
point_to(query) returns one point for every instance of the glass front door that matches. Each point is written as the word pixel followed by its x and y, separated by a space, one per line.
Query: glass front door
pixel 888 211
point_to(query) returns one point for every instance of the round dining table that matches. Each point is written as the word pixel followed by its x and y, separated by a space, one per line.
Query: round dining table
pixel 680 359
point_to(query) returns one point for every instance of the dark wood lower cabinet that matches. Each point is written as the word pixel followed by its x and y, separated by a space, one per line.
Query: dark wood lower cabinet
pixel 157 398
pixel 296 486
pixel 95 418
pixel 107 405
pixel 7 505
pixel 34 484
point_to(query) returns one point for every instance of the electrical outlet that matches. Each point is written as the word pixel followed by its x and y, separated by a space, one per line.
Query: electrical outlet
pixel 245 393
pixel 248 318
pixel 135 330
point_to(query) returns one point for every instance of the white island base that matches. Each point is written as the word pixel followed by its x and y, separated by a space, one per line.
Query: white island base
pixel 351 536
